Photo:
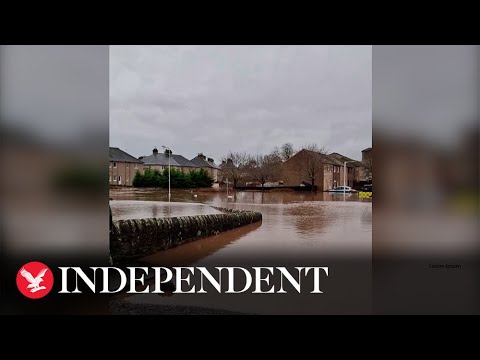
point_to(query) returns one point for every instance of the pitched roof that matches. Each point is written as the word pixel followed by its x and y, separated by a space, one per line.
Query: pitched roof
pixel 343 158
pixel 227 164
pixel 332 159
pixel 183 161
pixel 159 159
pixel 121 156
pixel 201 162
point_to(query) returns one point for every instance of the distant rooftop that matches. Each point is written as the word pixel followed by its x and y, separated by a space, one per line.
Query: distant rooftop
pixel 201 161
pixel 119 155
pixel 343 158
pixel 161 159
pixel 183 161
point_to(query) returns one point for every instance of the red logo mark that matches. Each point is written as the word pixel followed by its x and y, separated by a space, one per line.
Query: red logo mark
pixel 34 280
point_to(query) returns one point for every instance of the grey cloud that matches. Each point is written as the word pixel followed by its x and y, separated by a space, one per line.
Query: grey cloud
pixel 213 99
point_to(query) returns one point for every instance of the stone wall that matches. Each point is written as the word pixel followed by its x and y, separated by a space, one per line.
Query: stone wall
pixel 130 239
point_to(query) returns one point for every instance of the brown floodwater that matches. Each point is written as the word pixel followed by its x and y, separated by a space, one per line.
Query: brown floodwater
pixel 142 209
pixel 295 225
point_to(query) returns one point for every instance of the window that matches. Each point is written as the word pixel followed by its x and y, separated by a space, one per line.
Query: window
pixel 127 165
pixel 114 164
pixel 136 166
pixel 114 177
pixel 109 179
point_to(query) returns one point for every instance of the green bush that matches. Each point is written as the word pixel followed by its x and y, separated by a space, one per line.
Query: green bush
pixel 178 179
pixel 201 178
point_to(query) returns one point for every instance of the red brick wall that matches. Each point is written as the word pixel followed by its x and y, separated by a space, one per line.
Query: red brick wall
pixel 292 172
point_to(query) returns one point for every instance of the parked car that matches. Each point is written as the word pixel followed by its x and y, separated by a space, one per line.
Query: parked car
pixel 367 187
pixel 341 189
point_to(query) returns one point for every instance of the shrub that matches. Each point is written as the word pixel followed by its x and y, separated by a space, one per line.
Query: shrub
pixel 178 179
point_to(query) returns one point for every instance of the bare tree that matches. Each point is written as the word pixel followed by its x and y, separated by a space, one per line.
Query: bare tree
pixel 277 152
pixel 264 168
pixel 368 165
pixel 286 151
pixel 312 162
pixel 234 166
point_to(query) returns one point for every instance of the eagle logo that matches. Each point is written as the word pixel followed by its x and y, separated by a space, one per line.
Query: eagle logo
pixel 34 287
pixel 34 281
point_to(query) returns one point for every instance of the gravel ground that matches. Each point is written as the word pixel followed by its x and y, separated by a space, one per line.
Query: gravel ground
pixel 125 308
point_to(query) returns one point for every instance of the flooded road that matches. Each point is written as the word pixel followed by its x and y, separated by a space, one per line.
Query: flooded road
pixel 131 209
pixel 295 225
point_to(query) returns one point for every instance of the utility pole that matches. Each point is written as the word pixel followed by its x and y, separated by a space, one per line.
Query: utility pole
pixel 169 162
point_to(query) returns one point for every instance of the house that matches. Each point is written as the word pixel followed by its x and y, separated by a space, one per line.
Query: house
pixel 160 161
pixel 222 176
pixel 332 172
pixel 367 160
pixel 227 170
pixel 295 172
pixel 122 167
pixel 207 164
pixel 355 169
pixel 327 170
pixel 185 164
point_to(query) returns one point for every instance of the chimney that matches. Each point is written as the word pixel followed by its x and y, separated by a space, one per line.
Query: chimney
pixel 140 158
pixel 223 161
pixel 168 152
pixel 155 151
pixel 210 160
pixel 200 155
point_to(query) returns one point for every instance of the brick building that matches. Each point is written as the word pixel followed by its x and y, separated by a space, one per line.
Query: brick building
pixel 328 170
pixel 122 167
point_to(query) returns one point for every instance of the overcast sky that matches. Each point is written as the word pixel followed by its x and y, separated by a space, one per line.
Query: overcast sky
pixel 213 99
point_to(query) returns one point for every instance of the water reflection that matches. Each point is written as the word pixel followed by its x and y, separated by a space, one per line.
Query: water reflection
pixel 296 226
pixel 130 209
pixel 294 223
pixel 193 252
pixel 246 197
pixel 308 218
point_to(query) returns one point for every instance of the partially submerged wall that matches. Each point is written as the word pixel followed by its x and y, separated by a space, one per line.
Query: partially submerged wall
pixel 130 239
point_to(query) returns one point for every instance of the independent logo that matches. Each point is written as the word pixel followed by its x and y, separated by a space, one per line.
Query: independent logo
pixel 34 280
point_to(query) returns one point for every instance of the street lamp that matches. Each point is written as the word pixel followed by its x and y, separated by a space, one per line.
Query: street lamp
pixel 345 175
pixel 227 188
pixel 169 155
